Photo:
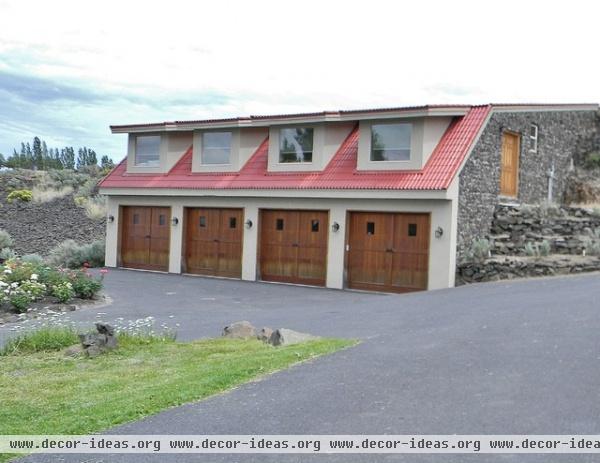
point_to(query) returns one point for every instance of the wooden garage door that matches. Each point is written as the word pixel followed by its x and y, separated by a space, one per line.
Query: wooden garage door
pixel 213 243
pixel 293 246
pixel 509 169
pixel 145 237
pixel 388 251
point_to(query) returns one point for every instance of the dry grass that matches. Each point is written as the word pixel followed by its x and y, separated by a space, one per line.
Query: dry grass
pixel 95 207
pixel 43 195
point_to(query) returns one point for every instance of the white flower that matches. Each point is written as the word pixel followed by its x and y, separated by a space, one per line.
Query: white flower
pixel 33 276
pixel 14 285
pixel 2 283
pixel 7 270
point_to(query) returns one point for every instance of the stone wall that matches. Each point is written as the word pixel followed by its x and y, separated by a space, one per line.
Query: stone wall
pixel 562 136
pixel 511 268
pixel 37 228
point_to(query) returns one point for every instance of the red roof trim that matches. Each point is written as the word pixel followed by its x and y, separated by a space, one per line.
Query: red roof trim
pixel 437 174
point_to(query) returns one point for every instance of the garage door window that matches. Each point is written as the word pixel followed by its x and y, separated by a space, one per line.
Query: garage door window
pixel 162 220
pixel 370 228
pixel 202 221
pixel 232 222
pixel 136 219
pixel 314 226
pixel 279 224
pixel 412 229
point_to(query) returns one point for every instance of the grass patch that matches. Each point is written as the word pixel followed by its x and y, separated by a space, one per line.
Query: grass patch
pixel 48 393
pixel 45 339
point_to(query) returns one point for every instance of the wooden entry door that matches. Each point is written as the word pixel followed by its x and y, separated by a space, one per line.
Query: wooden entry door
pixel 145 237
pixel 213 243
pixel 509 168
pixel 388 251
pixel 293 246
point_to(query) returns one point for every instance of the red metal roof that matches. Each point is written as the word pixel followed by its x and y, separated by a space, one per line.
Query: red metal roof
pixel 340 173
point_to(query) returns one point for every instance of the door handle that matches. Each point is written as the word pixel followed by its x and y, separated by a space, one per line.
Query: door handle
pixel 148 236
pixel 295 245
pixel 389 250
pixel 216 240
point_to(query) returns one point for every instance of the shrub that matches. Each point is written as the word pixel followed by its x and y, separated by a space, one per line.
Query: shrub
pixel 95 207
pixel 7 254
pixel 21 195
pixel 64 291
pixel 46 195
pixel 537 250
pixel 88 189
pixel 592 160
pixel 34 259
pixel 85 285
pixel 63 178
pixel 41 340
pixel 479 250
pixel 6 240
pixel 69 254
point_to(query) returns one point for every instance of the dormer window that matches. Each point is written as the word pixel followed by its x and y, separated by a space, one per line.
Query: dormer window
pixel 216 147
pixel 296 145
pixel 147 150
pixel 390 142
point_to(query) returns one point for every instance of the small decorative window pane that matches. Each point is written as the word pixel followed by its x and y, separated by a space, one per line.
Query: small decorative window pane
pixel 412 229
pixel 390 142
pixel 314 225
pixel 370 228
pixel 232 222
pixel 162 220
pixel 533 138
pixel 279 224
pixel 147 150
pixel 136 219
pixel 216 147
pixel 202 221
pixel 296 145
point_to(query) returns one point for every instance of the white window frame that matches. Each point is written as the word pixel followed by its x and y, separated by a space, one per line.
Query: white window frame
pixel 204 147
pixel 155 164
pixel 410 153
pixel 299 162
pixel 533 140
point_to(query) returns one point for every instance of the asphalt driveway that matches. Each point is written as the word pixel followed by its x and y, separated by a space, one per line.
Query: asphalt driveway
pixel 500 358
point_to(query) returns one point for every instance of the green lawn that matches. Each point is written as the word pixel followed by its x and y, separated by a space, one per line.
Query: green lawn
pixel 48 393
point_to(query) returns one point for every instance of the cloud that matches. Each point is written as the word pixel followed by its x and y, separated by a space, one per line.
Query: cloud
pixel 70 69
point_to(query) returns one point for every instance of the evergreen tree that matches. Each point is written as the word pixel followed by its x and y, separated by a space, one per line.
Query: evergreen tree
pixel 29 161
pixel 38 161
pixel 46 161
pixel 107 163
pixel 2 160
pixel 67 157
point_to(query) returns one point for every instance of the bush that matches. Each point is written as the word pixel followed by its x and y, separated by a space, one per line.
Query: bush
pixel 6 240
pixel 7 254
pixel 69 254
pixel 21 195
pixel 537 250
pixel 64 178
pixel 34 259
pixel 46 195
pixel 42 340
pixel 95 207
pixel 86 286
pixel 479 250
pixel 64 291
pixel 592 160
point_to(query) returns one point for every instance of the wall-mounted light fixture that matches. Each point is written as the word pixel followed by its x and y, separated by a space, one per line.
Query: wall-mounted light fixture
pixel 248 224
pixel 335 227
pixel 174 221
pixel 439 231
pixel 111 218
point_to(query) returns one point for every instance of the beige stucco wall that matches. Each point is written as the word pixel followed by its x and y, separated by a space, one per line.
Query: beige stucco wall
pixel 443 214
pixel 172 147
pixel 327 139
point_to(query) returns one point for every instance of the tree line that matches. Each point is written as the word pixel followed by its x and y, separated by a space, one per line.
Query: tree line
pixel 38 156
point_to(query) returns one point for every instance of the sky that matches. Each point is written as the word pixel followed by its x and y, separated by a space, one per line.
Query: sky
pixel 69 69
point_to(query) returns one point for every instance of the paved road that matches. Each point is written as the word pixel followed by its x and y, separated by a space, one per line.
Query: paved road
pixel 507 358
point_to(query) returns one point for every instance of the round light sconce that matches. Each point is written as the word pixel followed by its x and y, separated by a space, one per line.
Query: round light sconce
pixel 248 224
pixel 111 218
pixel 174 221
pixel 439 231
pixel 335 227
